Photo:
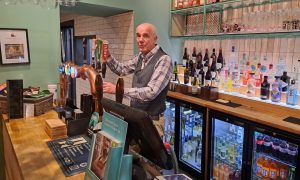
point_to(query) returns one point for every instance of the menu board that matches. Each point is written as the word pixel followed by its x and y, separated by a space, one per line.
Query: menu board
pixel 71 153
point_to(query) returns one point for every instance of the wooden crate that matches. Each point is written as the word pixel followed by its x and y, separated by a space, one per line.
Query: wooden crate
pixel 41 105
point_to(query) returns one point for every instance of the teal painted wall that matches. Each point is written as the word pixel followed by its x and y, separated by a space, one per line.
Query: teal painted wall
pixel 44 43
pixel 44 36
pixel 157 12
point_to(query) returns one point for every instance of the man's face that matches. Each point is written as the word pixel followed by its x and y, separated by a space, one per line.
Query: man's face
pixel 146 39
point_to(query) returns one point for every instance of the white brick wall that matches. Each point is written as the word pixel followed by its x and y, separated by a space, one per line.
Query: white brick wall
pixel 118 30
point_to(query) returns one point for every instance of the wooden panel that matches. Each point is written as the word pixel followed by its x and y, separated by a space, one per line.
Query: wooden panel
pixel 249 112
pixel 28 145
pixel 2 171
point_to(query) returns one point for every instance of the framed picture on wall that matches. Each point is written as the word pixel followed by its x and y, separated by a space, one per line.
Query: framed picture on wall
pixel 14 47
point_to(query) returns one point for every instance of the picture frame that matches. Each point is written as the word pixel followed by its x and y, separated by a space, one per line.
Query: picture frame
pixel 14 46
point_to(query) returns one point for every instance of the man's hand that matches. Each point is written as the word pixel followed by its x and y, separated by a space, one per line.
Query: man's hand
pixel 109 88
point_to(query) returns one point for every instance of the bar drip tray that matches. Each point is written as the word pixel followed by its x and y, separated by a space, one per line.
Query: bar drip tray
pixel 229 103
pixel 291 119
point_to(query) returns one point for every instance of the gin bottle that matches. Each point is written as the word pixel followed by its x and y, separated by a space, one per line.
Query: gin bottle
pixel 292 94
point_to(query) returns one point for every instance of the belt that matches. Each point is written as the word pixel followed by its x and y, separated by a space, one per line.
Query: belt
pixel 156 117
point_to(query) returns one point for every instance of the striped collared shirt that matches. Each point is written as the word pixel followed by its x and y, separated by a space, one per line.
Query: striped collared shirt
pixel 159 80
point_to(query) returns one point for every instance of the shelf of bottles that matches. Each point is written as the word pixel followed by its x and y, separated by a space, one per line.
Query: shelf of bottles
pixel 191 138
pixel 273 158
pixel 252 80
pixel 236 17
pixel 169 126
pixel 228 150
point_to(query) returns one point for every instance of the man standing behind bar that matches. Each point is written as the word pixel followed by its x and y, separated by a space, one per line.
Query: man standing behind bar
pixel 152 69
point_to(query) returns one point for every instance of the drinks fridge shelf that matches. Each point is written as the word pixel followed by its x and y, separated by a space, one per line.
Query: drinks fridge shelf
pixel 228 150
pixel 191 138
pixel 273 158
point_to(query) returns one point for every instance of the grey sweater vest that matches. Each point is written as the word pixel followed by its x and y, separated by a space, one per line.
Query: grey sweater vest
pixel 141 78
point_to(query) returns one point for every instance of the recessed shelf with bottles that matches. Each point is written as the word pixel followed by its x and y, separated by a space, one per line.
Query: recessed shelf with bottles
pixel 237 18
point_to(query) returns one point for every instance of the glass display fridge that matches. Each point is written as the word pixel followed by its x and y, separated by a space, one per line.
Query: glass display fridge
pixel 227 144
pixel 274 155
pixel 189 144
pixel 169 124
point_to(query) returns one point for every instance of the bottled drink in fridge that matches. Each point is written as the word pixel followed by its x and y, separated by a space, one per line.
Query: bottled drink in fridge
pixel 292 94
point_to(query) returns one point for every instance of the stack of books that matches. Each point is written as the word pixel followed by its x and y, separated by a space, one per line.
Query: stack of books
pixel 55 128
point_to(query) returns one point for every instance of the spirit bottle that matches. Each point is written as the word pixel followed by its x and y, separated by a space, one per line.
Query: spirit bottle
pixel 232 59
pixel 265 89
pixel 235 76
pixel 276 90
pixel 251 86
pixel 292 94
pixel 285 81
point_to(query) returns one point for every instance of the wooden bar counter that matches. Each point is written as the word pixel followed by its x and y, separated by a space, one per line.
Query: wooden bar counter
pixel 258 112
pixel 26 153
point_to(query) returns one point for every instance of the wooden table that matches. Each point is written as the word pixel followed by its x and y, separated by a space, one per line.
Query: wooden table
pixel 26 153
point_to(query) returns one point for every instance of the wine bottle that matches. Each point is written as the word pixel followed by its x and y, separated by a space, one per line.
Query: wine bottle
pixel 120 90
pixel 220 60
pixel 206 58
pixel 213 55
pixel 194 55
pixel 185 57
pixel 175 72
pixel 201 77
pixel 195 86
pixel 186 74
pixel 208 77
pixel 199 60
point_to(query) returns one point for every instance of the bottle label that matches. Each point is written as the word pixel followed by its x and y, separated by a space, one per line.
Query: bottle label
pixel 213 74
pixel 207 82
pixel 219 65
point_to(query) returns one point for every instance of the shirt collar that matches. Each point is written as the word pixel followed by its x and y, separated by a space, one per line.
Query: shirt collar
pixel 150 54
